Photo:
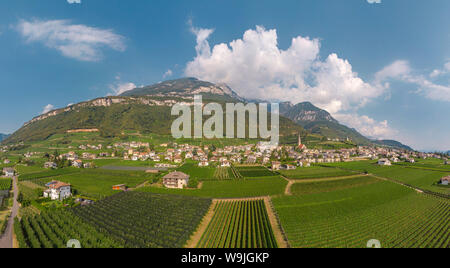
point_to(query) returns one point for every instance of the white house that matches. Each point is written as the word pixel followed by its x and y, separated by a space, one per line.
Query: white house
pixel 384 162
pixel 50 165
pixel 176 179
pixel 203 164
pixel 445 180
pixel 9 172
pixel 58 190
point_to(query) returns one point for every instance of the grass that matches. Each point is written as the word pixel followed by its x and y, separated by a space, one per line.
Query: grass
pixel 96 183
pixel 196 172
pixel 254 171
pixel 230 188
pixel 315 172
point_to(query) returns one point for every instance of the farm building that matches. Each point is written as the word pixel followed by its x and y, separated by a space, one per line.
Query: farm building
pixel 176 180
pixel 6 161
pixel 50 165
pixel 276 165
pixel 9 172
pixel 120 187
pixel 58 190
pixel 445 180
pixel 384 162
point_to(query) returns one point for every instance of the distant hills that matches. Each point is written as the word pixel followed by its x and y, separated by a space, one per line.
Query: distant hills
pixel 320 122
pixel 3 136
pixel 392 143
pixel 147 109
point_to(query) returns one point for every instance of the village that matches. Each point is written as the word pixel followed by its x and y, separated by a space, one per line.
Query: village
pixel 169 156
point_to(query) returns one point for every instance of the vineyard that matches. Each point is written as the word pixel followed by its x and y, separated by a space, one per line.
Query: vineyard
pixel 5 184
pixel 239 224
pixel 235 173
pixel 315 172
pixel 143 220
pixel 254 171
pixel 351 216
pixel 54 229
pixel 223 173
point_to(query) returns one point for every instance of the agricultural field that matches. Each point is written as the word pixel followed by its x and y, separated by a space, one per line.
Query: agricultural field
pixel 5 184
pixel 54 228
pixel 196 172
pixel 223 173
pixel 332 185
pixel 46 173
pixel 239 224
pixel 315 172
pixel 136 219
pixel 254 171
pixel 97 183
pixel 350 216
pixel 421 178
pixel 229 188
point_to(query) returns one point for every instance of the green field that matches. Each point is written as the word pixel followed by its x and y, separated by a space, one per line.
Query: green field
pixel 97 183
pixel 239 224
pixel 254 171
pixel 421 178
pixel 351 216
pixel 46 173
pixel 196 172
pixel 5 184
pixel 315 172
pixel 329 186
pixel 230 188
pixel 146 220
pixel 55 228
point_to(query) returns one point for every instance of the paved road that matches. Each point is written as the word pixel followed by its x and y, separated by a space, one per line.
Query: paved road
pixel 6 241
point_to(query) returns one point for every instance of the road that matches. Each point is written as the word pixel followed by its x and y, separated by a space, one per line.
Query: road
pixel 6 241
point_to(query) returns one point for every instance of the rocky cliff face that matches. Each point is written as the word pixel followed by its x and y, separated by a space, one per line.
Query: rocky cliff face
pixel 305 112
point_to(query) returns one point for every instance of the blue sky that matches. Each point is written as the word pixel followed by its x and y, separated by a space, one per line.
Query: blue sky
pixel 383 68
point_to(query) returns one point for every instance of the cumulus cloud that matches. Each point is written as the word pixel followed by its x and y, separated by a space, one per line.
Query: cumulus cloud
pixel 402 71
pixel 374 1
pixel 120 88
pixel 167 74
pixel 75 41
pixel 367 126
pixel 74 1
pixel 48 108
pixel 256 67
pixel 438 72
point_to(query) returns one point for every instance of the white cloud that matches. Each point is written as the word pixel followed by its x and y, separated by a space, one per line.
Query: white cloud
pixel 374 1
pixel 368 126
pixel 75 41
pixel 169 73
pixel 439 72
pixel 402 71
pixel 256 67
pixel 74 1
pixel 48 108
pixel 120 88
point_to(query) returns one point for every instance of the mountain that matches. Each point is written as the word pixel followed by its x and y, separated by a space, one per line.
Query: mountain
pixel 3 136
pixel 320 122
pixel 392 143
pixel 146 109
pixel 186 87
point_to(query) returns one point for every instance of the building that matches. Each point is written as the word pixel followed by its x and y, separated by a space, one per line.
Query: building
pixel 120 187
pixel 6 161
pixel 176 179
pixel 276 165
pixel 445 180
pixel 9 172
pixel 77 163
pixel 203 164
pixel 384 162
pixel 58 190
pixel 51 165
